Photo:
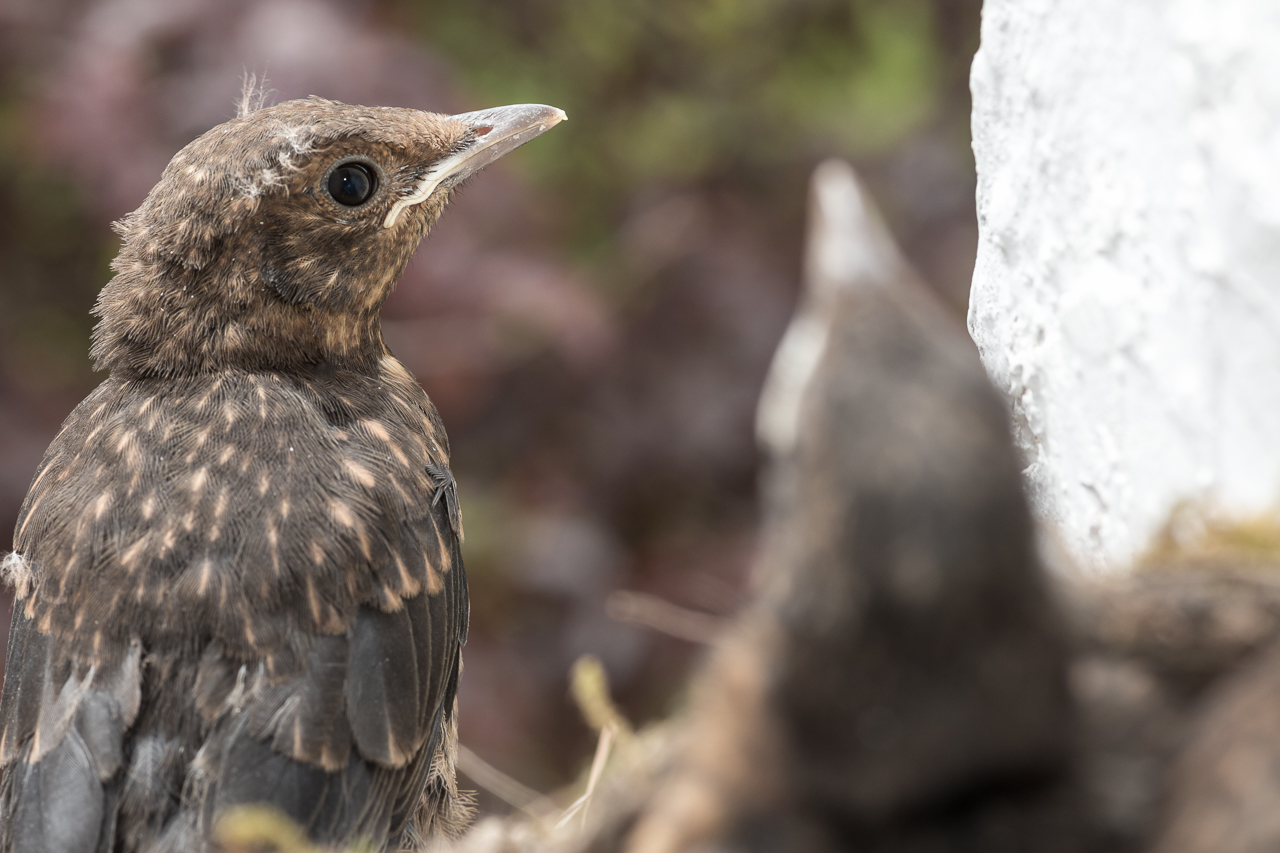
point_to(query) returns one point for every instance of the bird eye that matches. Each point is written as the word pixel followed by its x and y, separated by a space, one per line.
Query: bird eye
pixel 351 184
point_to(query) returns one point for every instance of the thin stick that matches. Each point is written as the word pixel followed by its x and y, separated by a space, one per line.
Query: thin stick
pixel 661 615
pixel 603 746
pixel 502 786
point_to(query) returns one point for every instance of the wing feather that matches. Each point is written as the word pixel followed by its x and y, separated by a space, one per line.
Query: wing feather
pixel 382 691
pixel 63 752
pixel 26 667
pixel 356 726
pixel 61 806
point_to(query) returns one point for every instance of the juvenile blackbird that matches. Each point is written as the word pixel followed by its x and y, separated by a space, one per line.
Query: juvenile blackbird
pixel 237 572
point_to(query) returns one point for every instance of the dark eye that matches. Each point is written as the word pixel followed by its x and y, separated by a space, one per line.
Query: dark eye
pixel 352 184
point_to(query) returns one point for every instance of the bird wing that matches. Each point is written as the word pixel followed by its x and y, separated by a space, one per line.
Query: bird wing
pixel 345 745
pixel 246 591
pixel 62 744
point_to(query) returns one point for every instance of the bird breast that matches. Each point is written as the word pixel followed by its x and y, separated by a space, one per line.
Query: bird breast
pixel 247 506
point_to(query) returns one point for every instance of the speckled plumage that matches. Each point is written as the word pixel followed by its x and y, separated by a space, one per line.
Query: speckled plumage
pixel 237 572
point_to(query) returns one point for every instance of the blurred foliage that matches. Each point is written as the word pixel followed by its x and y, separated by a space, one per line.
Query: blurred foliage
pixel 590 686
pixel 1203 535
pixel 54 261
pixel 257 829
pixel 674 91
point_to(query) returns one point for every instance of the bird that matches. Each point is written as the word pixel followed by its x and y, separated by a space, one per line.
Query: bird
pixel 899 680
pixel 237 573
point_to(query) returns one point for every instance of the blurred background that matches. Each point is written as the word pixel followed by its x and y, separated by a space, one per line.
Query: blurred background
pixel 593 316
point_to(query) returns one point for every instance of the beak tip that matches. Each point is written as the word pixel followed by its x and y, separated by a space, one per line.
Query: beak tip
pixel 549 116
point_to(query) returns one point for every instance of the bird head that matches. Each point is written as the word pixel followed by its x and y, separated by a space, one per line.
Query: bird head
pixel 272 240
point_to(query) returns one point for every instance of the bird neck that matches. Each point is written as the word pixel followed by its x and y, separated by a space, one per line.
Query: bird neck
pixel 166 319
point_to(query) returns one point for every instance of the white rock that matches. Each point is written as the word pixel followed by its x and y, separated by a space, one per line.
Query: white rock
pixel 1127 290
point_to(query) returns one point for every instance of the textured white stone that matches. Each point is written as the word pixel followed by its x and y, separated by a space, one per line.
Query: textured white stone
pixel 1127 290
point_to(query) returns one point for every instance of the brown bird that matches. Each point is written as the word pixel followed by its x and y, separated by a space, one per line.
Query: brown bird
pixel 237 572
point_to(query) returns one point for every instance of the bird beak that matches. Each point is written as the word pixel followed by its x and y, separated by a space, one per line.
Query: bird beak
pixel 493 132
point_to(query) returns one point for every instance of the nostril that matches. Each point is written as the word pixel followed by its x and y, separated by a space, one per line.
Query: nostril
pixel 482 131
